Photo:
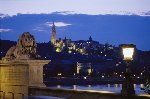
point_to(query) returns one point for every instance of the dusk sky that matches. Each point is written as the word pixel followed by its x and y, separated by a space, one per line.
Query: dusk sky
pixel 94 7
pixel 112 21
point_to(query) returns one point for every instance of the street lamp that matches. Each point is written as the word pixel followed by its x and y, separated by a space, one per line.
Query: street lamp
pixel 128 51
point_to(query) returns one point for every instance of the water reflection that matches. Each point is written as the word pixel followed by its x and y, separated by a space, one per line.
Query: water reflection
pixel 116 85
pixel 120 85
pixel 134 85
pixel 58 86
pixel 74 87
pixel 142 85
pixel 116 88
pixel 108 85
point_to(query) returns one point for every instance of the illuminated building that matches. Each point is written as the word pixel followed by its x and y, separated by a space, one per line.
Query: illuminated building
pixel 84 68
pixel 84 47
pixel 53 40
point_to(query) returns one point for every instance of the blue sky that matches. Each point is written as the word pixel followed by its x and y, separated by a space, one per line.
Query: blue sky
pixel 112 21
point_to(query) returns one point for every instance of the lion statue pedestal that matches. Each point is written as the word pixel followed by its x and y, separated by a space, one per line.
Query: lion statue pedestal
pixel 21 68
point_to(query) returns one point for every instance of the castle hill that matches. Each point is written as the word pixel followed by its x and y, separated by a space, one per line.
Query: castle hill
pixel 68 52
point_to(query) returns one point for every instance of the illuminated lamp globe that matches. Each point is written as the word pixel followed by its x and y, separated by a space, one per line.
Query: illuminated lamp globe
pixel 128 51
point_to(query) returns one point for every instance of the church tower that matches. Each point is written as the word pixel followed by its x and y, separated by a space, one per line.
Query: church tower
pixel 90 38
pixel 53 40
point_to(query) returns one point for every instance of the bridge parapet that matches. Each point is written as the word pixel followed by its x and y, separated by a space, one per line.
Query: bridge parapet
pixel 80 94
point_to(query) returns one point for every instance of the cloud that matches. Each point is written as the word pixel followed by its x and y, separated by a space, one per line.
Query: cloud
pixel 5 30
pixel 3 15
pixel 91 7
pixel 39 29
pixel 58 24
pixel 64 12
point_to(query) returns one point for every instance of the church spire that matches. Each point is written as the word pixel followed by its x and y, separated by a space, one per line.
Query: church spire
pixel 53 27
pixel 53 40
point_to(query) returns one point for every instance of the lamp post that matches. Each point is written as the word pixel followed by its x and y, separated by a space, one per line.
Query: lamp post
pixel 128 87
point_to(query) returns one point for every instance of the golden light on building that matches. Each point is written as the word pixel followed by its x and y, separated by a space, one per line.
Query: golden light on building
pixel 58 50
pixel 69 51
pixel 59 74
pixel 89 71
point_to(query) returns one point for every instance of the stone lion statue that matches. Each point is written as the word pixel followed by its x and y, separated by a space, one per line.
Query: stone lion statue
pixel 25 48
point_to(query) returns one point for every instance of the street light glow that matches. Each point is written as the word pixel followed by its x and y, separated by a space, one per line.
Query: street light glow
pixel 128 53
